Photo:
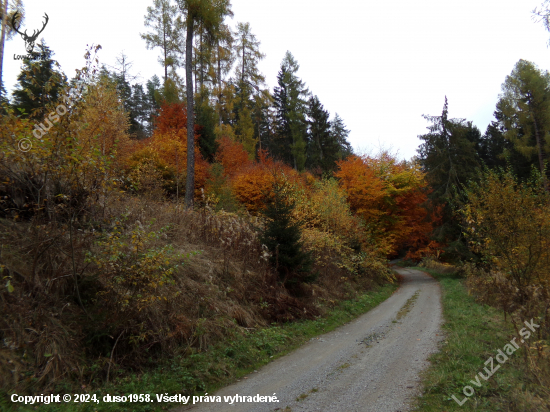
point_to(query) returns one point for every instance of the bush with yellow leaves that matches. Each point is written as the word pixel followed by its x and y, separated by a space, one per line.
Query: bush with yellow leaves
pixel 133 271
pixel 507 223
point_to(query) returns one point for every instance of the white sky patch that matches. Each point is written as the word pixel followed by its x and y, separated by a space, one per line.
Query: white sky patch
pixel 379 65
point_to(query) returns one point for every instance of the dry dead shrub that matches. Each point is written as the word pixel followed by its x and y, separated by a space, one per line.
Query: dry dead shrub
pixel 40 331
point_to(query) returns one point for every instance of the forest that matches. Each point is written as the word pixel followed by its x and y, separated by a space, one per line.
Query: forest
pixel 145 221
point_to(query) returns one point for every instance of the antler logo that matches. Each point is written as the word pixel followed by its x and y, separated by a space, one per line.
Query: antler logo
pixel 29 40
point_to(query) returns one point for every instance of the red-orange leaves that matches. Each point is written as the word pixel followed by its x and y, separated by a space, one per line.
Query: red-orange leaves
pixel 168 145
pixel 364 189
pixel 252 186
pixel 232 156
pixel 389 196
pixel 171 116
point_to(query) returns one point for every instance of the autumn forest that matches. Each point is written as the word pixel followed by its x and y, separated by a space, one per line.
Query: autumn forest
pixel 146 221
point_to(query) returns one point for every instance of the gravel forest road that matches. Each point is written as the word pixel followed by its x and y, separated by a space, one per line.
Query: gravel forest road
pixel 369 364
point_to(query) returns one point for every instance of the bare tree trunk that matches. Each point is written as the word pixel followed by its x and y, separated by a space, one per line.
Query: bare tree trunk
pixel 3 39
pixel 190 182
pixel 541 154
pixel 201 76
pixel 219 84
pixel 165 59
pixel 242 71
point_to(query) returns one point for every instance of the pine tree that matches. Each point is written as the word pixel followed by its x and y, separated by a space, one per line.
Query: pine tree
pixel 282 236
pixel 262 117
pixel 39 83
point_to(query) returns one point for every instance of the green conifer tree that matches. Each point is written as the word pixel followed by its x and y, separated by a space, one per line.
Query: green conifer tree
pixel 40 83
pixel 282 236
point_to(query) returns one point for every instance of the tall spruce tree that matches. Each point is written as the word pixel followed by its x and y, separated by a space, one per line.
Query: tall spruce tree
pixel 290 101
pixel 448 154
pixel 322 148
pixel 151 105
pixel 449 158
pixel 206 121
pixel 340 134
pixel 39 83
pixel 132 95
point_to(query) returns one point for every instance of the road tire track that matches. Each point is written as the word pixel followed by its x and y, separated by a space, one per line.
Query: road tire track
pixel 370 364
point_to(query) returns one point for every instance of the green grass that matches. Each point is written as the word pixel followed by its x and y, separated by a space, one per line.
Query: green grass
pixel 474 333
pixel 221 364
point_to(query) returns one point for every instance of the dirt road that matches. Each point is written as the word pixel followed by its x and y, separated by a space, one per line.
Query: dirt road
pixel 370 364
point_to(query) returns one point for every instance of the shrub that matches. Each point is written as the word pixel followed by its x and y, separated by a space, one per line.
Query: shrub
pixel 133 271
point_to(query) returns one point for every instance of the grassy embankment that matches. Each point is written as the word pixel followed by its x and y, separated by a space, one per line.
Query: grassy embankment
pixel 223 363
pixel 474 333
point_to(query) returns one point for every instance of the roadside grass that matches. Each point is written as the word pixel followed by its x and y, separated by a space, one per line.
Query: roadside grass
pixel 195 373
pixel 474 333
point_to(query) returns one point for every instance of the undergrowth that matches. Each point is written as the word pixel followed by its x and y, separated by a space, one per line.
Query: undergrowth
pixel 195 372
pixel 474 333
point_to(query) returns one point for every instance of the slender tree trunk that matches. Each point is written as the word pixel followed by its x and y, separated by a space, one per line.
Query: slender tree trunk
pixel 201 76
pixel 242 71
pixel 219 84
pixel 539 146
pixel 2 40
pixel 190 182
pixel 177 180
pixel 541 154
pixel 165 57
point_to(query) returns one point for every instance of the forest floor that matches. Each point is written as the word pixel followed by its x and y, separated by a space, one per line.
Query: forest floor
pixel 370 364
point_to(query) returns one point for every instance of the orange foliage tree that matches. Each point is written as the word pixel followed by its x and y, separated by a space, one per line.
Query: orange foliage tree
pixel 232 156
pixel 252 185
pixel 390 197
pixel 364 189
pixel 167 148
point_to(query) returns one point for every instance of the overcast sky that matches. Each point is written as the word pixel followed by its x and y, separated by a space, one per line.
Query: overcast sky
pixel 380 65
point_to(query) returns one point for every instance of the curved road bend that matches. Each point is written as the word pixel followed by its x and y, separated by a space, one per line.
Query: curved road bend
pixel 369 364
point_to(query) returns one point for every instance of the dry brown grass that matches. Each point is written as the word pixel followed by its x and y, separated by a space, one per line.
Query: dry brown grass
pixel 62 323
pixel 441 267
